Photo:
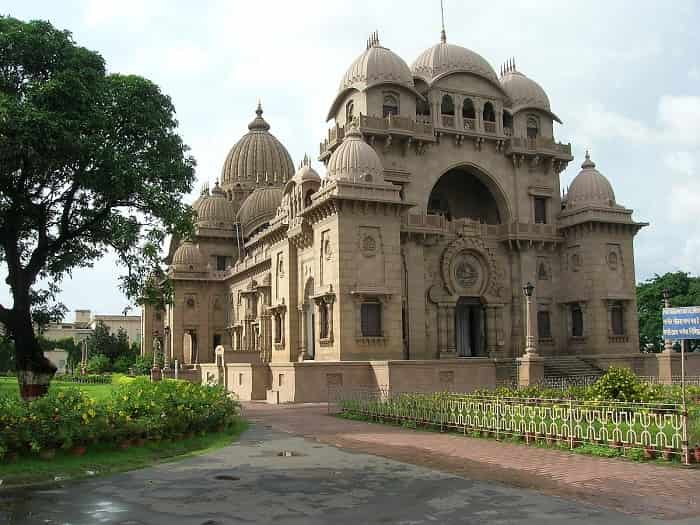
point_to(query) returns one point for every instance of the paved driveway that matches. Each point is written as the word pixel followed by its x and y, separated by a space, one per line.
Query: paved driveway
pixel 274 477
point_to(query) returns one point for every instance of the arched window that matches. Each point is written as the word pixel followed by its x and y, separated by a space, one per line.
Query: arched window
pixel 533 127
pixel 447 107
pixel 422 107
pixel 390 105
pixel 468 109
pixel 307 198
pixel 489 113
pixel 349 111
pixel 507 123
pixel 469 114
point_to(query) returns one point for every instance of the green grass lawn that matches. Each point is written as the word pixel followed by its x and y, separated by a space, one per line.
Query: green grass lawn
pixel 31 469
pixel 8 385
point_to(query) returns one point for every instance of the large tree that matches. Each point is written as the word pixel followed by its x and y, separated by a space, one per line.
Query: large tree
pixel 684 290
pixel 89 162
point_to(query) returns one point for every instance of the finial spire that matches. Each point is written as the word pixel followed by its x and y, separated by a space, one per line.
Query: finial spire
pixel 443 35
pixel 588 163
pixel 259 110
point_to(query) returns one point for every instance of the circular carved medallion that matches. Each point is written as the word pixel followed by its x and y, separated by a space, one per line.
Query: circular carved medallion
pixel 467 272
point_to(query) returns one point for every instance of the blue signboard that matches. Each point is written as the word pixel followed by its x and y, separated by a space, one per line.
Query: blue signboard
pixel 681 323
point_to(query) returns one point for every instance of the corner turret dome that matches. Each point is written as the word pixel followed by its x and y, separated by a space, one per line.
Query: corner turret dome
pixel 257 158
pixel 355 160
pixel 444 59
pixel 258 209
pixel 377 65
pixel 525 93
pixel 590 188
pixel 214 210
pixel 306 172
pixel 188 258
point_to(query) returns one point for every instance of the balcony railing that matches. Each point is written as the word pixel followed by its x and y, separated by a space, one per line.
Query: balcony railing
pixel 470 124
pixel 508 132
pixel 539 144
pixel 448 121
pixel 489 127
pixel 513 230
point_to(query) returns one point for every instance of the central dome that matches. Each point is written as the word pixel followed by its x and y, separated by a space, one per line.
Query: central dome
pixel 257 158
pixel 443 59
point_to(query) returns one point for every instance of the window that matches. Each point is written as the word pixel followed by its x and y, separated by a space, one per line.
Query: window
pixel 617 315
pixel 323 318
pixel 533 127
pixel 390 106
pixel 278 328
pixel 507 123
pixel 447 107
pixel 307 198
pixel 576 321
pixel 349 111
pixel 468 109
pixel 544 326
pixel 489 113
pixel 217 340
pixel 371 319
pixel 221 262
pixel 422 107
pixel 540 210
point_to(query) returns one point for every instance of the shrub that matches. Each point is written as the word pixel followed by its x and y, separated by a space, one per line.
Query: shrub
pixel 137 408
pixel 98 364
pixel 620 384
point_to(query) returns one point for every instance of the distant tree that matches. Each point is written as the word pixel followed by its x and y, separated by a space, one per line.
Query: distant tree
pixel 684 291
pixel 7 354
pixel 89 162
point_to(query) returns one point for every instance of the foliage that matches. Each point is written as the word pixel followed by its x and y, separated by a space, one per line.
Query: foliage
pixel 7 354
pixel 90 162
pixel 684 291
pixel 620 384
pixel 136 409
pixel 144 363
pixel 98 364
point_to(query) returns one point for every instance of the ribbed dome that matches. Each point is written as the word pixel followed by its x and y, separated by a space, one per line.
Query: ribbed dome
pixel 258 208
pixel 524 92
pixel 257 158
pixel 214 210
pixel 355 160
pixel 188 258
pixel 443 59
pixel 377 65
pixel 590 188
pixel 306 173
pixel 204 193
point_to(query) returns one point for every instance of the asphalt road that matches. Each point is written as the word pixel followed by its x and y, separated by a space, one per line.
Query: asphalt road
pixel 273 477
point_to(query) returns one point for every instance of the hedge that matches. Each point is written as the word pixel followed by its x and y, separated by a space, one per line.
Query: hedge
pixel 139 409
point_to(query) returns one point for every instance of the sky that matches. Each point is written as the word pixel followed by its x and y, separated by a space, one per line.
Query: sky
pixel 623 76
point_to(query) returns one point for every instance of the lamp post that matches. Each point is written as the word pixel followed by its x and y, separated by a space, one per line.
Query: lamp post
pixel 530 322
pixel 668 344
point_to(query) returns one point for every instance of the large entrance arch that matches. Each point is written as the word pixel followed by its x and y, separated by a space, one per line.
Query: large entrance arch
pixel 466 192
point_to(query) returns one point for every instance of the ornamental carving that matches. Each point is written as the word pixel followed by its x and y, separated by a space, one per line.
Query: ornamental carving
pixel 469 268
pixel 369 246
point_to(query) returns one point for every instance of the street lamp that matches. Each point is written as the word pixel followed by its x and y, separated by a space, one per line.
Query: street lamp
pixel 530 322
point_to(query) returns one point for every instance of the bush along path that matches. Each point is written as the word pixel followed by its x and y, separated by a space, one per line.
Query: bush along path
pixel 618 415
pixel 69 423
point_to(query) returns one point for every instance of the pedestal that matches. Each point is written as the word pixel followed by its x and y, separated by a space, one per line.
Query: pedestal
pixel 530 370
pixel 156 374
pixel 166 373
pixel 669 364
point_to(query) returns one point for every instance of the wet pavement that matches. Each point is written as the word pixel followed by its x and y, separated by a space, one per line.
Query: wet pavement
pixel 274 477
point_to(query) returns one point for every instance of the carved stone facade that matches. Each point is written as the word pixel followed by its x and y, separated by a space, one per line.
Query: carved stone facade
pixel 441 199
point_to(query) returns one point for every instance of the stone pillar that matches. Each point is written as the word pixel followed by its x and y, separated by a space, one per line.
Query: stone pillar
pixel 530 366
pixel 530 370
pixel 669 365
pixel 450 319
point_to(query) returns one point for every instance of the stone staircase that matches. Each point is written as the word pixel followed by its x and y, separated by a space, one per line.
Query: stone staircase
pixel 569 366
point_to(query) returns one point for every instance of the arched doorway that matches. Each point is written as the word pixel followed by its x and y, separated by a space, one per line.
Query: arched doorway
pixel 470 328
pixel 309 320
pixel 465 192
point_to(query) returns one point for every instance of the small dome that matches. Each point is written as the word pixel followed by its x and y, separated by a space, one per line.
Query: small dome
pixel 590 188
pixel 443 59
pixel 257 158
pixel 524 92
pixel 377 65
pixel 188 258
pixel 258 209
pixel 355 160
pixel 204 193
pixel 215 210
pixel 306 172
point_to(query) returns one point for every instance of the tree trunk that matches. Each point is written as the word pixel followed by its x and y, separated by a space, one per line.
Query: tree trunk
pixel 34 371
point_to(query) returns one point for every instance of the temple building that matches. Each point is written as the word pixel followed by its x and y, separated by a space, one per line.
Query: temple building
pixel 403 262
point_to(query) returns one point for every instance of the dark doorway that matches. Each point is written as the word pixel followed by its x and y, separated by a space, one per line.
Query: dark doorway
pixel 470 328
